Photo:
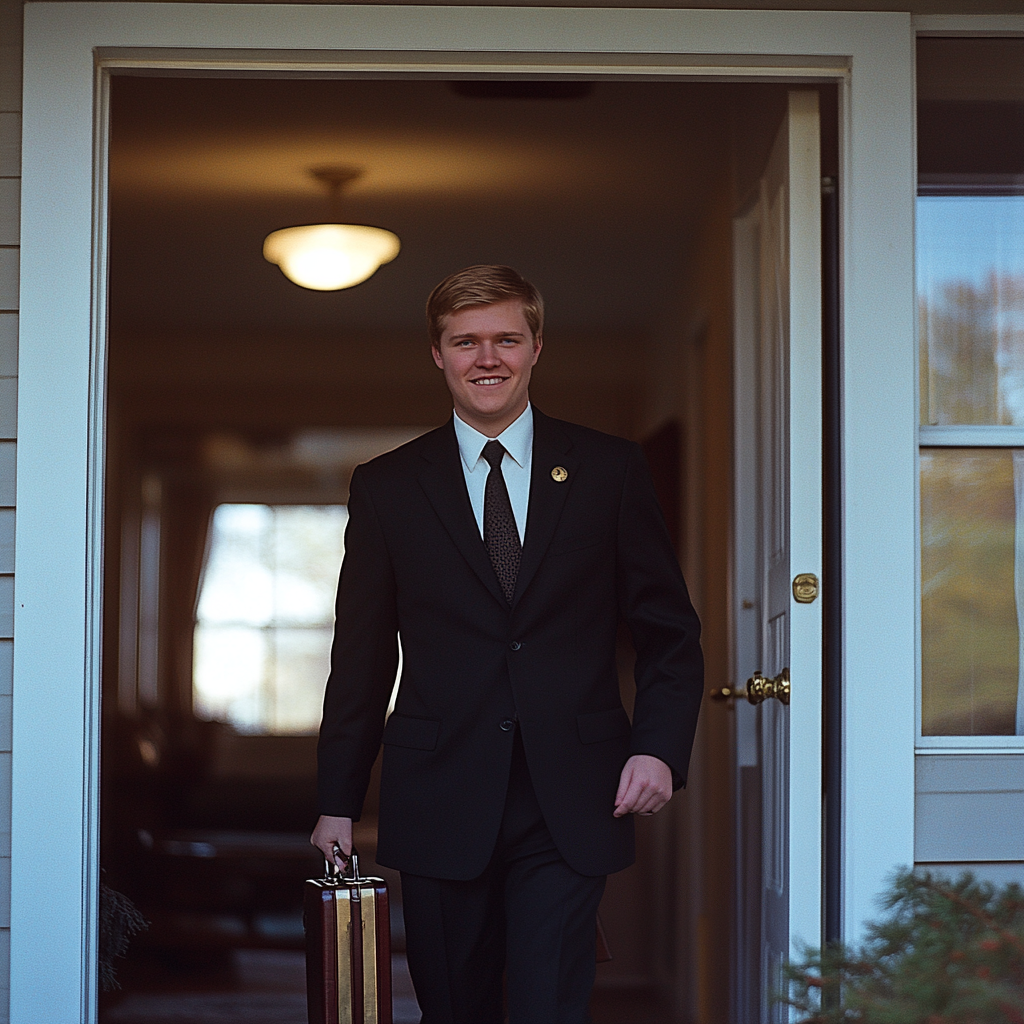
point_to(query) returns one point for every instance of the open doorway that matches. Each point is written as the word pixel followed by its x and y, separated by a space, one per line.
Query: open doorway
pixel 240 403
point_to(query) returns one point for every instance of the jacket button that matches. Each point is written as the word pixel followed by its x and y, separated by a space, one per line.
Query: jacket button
pixel 508 725
pixel 515 645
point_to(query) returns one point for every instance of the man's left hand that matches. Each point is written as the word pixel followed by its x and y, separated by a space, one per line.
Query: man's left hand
pixel 645 786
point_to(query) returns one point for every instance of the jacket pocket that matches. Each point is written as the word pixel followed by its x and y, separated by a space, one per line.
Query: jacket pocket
pixel 575 542
pixel 405 731
pixel 595 726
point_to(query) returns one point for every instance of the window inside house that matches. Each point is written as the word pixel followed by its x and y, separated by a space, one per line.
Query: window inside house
pixel 266 615
pixel 970 294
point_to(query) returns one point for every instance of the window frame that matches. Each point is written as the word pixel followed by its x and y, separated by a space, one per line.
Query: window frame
pixel 954 436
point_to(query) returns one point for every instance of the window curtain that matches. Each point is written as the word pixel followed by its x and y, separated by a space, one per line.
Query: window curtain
pixel 188 517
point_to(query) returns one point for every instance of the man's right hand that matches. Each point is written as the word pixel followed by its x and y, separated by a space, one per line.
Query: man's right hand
pixel 331 832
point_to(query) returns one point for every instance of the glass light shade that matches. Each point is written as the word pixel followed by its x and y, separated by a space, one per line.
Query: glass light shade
pixel 329 257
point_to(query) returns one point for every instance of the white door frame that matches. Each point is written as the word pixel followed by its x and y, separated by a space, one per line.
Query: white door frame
pixel 62 364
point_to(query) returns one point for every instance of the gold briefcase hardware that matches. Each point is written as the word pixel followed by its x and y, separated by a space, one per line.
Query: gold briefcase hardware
pixel 348 947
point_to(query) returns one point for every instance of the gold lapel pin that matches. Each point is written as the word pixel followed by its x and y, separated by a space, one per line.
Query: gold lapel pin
pixel 559 474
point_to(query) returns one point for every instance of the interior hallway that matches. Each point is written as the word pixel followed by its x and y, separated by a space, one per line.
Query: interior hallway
pixel 617 199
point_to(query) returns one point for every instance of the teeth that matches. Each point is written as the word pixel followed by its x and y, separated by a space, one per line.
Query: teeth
pixel 489 380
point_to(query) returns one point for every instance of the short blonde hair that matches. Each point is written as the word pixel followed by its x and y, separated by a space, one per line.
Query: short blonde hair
pixel 482 285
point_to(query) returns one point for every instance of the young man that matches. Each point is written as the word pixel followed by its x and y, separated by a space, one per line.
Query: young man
pixel 504 547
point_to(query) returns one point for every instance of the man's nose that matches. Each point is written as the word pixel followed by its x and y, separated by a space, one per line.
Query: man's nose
pixel 487 355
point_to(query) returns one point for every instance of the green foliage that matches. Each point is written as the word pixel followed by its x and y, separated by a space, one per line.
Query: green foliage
pixel 947 951
pixel 119 921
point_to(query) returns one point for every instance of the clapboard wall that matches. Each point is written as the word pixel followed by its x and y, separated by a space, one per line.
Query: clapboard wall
pixel 10 191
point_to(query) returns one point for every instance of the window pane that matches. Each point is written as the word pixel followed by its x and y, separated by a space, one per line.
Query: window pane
pixel 265 618
pixel 238 584
pixel 230 674
pixel 308 545
pixel 972 501
pixel 302 661
pixel 970 285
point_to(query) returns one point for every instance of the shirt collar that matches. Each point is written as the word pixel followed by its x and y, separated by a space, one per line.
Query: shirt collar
pixel 516 439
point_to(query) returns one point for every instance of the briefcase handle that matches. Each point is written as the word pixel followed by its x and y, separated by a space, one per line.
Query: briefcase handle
pixel 332 872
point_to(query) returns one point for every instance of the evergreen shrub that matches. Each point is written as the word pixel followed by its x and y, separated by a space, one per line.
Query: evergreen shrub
pixel 946 951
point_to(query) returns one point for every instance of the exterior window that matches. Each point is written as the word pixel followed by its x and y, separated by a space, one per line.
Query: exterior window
pixel 971 308
pixel 970 293
pixel 972 574
pixel 266 613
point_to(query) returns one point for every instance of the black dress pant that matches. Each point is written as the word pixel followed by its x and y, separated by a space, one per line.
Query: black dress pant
pixel 529 917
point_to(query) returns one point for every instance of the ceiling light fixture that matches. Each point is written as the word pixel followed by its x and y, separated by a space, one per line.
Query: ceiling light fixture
pixel 329 257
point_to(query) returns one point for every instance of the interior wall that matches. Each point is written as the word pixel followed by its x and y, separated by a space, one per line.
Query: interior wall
pixel 255 380
pixel 690 379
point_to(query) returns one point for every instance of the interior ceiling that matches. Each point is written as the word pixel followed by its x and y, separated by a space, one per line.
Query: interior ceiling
pixel 593 197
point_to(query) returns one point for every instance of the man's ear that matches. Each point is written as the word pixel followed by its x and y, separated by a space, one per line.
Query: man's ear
pixel 538 344
pixel 436 353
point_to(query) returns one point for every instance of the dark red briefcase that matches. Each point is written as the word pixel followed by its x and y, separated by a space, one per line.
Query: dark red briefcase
pixel 348 948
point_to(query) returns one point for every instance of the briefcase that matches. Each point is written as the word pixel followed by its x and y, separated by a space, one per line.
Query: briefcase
pixel 348 948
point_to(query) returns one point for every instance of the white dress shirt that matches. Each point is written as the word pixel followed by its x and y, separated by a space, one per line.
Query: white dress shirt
pixel 517 440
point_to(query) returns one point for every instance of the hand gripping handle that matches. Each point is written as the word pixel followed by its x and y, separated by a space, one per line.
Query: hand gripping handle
pixel 333 872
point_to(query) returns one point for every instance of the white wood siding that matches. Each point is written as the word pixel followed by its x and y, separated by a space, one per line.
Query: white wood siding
pixel 970 808
pixel 10 225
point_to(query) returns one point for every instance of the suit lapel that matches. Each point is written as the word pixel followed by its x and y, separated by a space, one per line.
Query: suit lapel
pixel 445 485
pixel 551 448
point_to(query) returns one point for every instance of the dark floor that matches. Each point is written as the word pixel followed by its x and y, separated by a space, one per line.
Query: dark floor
pixel 255 987
pixel 269 987
pixel 627 1007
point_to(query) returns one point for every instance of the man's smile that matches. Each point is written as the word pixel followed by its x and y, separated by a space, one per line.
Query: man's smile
pixel 488 381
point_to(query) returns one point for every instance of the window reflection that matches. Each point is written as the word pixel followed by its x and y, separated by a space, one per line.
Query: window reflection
pixel 972 590
pixel 971 308
pixel 265 616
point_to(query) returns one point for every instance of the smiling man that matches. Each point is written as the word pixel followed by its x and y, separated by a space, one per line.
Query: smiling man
pixel 504 548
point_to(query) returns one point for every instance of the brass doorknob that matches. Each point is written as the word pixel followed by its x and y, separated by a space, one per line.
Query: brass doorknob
pixel 759 688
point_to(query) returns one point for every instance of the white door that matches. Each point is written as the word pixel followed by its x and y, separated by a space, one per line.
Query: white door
pixel 778 565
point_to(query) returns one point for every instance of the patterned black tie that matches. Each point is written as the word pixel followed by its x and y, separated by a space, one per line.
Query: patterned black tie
pixel 500 533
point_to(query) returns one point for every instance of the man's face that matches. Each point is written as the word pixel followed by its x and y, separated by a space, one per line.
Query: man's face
pixel 487 354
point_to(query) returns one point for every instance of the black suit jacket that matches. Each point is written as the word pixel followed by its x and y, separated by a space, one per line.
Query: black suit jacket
pixel 596 550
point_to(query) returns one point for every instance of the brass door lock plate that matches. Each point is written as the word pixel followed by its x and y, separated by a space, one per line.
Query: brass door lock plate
pixel 805 588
